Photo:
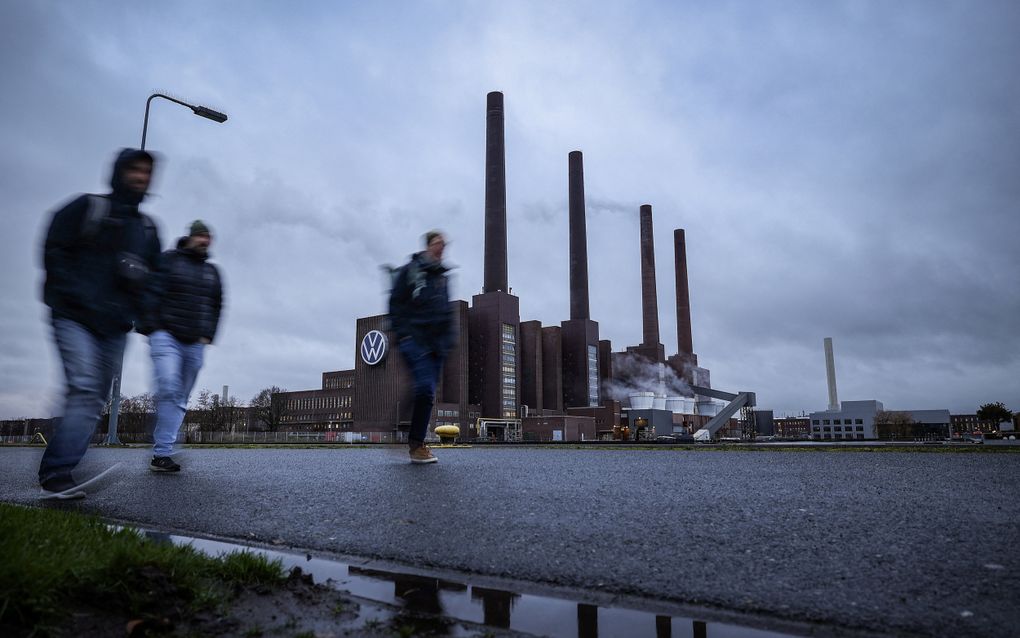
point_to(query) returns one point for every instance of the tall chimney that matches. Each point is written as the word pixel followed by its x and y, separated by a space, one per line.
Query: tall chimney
pixel 830 374
pixel 578 239
pixel 684 341
pixel 649 305
pixel 495 196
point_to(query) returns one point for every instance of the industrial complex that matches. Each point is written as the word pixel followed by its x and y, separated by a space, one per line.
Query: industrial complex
pixel 516 380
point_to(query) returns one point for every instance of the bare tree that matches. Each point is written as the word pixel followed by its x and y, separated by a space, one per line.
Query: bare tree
pixel 892 424
pixel 267 408
pixel 137 413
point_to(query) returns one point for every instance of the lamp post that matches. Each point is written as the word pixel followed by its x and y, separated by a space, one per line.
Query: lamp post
pixel 202 111
pixel 208 114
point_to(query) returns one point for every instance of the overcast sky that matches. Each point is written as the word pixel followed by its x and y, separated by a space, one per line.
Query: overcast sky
pixel 842 169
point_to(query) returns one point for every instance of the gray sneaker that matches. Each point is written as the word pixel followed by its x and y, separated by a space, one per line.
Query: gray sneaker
pixel 61 488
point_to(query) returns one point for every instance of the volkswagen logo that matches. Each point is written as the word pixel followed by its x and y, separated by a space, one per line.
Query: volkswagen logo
pixel 373 347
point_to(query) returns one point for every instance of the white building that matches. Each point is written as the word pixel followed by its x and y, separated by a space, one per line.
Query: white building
pixel 853 420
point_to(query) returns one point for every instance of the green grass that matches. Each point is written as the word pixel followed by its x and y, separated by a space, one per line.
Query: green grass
pixel 52 562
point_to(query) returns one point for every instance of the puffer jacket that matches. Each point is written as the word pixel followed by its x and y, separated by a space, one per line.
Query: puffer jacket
pixel 419 305
pixel 186 297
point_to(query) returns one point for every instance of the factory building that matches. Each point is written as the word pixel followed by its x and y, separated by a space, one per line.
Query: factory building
pixel 508 378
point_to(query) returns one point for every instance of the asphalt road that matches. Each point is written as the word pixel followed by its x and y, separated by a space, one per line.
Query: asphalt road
pixel 889 542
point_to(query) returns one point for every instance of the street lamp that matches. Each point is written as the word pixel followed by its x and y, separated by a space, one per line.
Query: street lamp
pixel 202 111
pixel 209 114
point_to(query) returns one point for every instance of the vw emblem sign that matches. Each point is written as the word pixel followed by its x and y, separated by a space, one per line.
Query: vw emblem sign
pixel 373 347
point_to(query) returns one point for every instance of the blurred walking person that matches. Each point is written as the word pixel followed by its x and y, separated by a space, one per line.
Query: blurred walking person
pixel 421 317
pixel 186 300
pixel 98 253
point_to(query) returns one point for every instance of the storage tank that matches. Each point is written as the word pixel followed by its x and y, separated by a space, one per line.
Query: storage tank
pixel 642 400
pixel 659 402
pixel 707 407
pixel 675 405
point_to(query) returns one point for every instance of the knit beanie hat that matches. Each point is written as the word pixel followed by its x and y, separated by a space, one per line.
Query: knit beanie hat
pixel 198 227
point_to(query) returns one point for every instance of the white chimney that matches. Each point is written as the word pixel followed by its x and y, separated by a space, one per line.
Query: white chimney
pixel 830 375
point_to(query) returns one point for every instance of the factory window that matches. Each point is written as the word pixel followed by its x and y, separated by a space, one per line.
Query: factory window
pixel 860 436
pixel 860 428
pixel 827 429
pixel 825 422
pixel 593 375
pixel 816 428
pixel 847 421
pixel 509 382
pixel 858 420
pixel 815 422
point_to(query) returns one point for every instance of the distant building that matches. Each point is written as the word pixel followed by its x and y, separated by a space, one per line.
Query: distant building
pixel 970 424
pixel 764 423
pixel 854 420
pixel 793 427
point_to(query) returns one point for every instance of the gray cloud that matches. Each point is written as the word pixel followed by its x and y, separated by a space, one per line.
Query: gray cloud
pixel 843 170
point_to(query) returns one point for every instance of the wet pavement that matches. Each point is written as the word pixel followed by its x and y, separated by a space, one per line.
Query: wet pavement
pixel 453 605
pixel 893 543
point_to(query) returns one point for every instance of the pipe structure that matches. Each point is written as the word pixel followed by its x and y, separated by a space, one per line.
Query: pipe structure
pixel 649 305
pixel 495 197
pixel 830 374
pixel 684 340
pixel 579 308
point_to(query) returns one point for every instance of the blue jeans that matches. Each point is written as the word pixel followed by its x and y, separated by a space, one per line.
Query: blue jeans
pixel 90 362
pixel 425 365
pixel 175 365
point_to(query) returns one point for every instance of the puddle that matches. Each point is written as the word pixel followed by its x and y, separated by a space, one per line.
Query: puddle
pixel 454 600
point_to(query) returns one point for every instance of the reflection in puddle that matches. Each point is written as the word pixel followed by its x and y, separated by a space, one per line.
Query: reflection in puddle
pixel 445 602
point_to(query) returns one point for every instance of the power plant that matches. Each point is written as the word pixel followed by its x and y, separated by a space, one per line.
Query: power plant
pixel 516 380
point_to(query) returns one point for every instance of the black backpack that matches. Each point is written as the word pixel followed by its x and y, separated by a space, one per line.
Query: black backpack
pixel 98 210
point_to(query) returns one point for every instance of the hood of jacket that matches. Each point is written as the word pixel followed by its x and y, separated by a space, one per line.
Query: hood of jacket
pixel 428 264
pixel 121 192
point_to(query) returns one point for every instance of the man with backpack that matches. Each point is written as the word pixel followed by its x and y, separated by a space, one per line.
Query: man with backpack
pixel 98 253
pixel 186 299
pixel 421 316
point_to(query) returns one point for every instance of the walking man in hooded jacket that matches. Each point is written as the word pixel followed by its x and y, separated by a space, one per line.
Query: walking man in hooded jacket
pixel 186 296
pixel 97 255
pixel 421 317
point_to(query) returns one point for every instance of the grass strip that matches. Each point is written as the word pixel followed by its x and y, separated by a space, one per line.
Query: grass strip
pixel 53 562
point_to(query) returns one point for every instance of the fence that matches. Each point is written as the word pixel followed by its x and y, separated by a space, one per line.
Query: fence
pixel 240 438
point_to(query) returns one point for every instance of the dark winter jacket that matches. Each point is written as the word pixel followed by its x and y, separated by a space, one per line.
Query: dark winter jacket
pixel 420 304
pixel 186 296
pixel 95 265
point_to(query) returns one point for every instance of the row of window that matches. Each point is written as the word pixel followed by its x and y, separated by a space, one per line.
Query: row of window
pixel 839 428
pixel 836 421
pixel 319 403
pixel 336 416
pixel 838 436
pixel 509 381
pixel 593 375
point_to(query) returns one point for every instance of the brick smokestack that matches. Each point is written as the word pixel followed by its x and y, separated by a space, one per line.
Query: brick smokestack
pixel 685 343
pixel 578 239
pixel 495 196
pixel 649 305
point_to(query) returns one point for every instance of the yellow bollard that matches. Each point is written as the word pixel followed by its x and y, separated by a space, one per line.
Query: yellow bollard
pixel 447 434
